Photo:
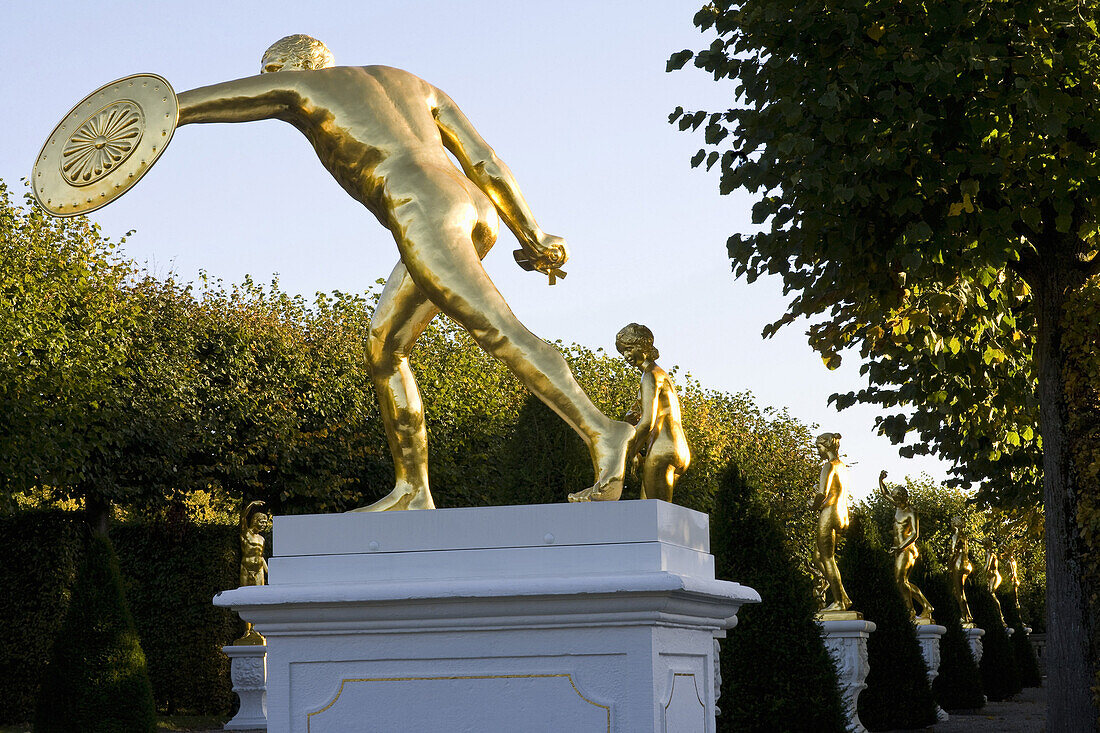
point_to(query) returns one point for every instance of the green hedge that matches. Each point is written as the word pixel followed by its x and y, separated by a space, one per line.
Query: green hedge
pixel 958 686
pixel 41 553
pixel 1027 665
pixel 96 680
pixel 897 694
pixel 1000 679
pixel 170 571
pixel 776 672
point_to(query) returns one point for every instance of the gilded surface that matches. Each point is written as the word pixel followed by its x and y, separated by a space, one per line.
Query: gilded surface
pixel 831 504
pixel 906 533
pixel 658 447
pixel 254 523
pixel 961 568
pixel 104 145
pixel 993 577
pixel 385 135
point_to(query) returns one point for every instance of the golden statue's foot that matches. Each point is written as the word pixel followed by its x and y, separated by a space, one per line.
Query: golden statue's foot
pixel 402 497
pixel 609 457
pixel 842 606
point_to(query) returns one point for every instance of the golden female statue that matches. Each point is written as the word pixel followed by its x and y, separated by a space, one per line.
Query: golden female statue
pixel 659 442
pixel 384 135
pixel 961 568
pixel 254 523
pixel 831 503
pixel 993 577
pixel 906 533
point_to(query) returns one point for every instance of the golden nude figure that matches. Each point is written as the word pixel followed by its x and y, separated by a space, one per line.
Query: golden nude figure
pixel 993 577
pixel 906 533
pixel 658 443
pixel 254 522
pixel 961 568
pixel 831 503
pixel 384 135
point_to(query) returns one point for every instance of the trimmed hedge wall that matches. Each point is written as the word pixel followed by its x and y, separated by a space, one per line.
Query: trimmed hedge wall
pixel 776 671
pixel 897 694
pixel 170 572
pixel 96 680
pixel 1027 665
pixel 1000 680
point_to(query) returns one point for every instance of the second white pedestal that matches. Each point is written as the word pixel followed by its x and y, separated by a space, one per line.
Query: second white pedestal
pixel 847 643
pixel 577 617
pixel 974 639
pixel 929 635
pixel 248 670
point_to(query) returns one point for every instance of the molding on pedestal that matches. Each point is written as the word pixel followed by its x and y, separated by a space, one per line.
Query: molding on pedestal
pixel 974 639
pixel 847 644
pixel 929 635
pixel 248 670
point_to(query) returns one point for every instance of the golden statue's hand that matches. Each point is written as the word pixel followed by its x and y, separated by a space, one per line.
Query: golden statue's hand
pixel 547 253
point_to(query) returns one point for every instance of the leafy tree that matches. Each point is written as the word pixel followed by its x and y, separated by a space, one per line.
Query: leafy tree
pixel 767 685
pixel 926 174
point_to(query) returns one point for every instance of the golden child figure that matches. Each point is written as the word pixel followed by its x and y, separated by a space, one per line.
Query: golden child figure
pixel 658 433
pixel 384 135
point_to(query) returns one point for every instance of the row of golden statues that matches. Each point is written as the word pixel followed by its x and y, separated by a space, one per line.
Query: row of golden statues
pixel 830 502
pixel 386 135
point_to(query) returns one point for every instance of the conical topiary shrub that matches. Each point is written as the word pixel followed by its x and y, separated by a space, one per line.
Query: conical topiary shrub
pixel 1027 665
pixel 1000 680
pixel 897 694
pixel 776 672
pixel 96 681
pixel 958 686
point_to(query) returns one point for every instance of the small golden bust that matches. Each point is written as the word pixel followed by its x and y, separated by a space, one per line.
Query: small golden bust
pixel 831 503
pixel 254 522
pixel 961 568
pixel 906 533
pixel 658 446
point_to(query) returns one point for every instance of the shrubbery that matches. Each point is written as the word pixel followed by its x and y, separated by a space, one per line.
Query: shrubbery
pixel 1027 665
pixel 776 671
pixel 897 694
pixel 1000 680
pixel 96 679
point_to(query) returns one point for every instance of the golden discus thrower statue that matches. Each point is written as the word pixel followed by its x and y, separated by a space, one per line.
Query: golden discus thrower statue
pixel 384 135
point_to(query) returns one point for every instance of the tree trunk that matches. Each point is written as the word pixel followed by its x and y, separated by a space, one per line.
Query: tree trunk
pixel 1070 667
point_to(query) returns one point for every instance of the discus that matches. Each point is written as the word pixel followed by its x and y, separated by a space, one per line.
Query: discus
pixel 106 143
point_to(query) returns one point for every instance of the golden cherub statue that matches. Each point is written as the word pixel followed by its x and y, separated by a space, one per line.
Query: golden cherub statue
pixel 254 523
pixel 831 503
pixel 961 568
pixel 384 135
pixel 906 533
pixel 659 444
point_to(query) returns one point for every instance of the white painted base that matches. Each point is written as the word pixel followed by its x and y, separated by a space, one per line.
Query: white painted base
pixel 248 670
pixel 564 617
pixel 974 639
pixel 929 635
pixel 847 643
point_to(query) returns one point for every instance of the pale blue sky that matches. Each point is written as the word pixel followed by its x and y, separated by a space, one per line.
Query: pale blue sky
pixel 572 94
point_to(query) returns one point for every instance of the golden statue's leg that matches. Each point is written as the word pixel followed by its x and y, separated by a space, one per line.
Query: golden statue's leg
pixel 402 314
pixel 436 229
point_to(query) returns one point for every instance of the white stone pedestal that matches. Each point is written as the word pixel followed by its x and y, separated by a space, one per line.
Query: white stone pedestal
pixel 847 643
pixel 248 670
pixel 974 639
pixel 564 617
pixel 929 635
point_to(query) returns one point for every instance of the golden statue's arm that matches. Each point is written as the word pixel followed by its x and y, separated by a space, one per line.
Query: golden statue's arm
pixel 915 520
pixel 263 97
pixel 648 416
pixel 491 175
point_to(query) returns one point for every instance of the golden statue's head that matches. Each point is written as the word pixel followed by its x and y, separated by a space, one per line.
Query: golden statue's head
pixel 635 343
pixel 296 53
pixel 828 445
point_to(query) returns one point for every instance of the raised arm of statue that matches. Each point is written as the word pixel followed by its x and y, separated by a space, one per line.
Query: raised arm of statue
pixel 482 166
